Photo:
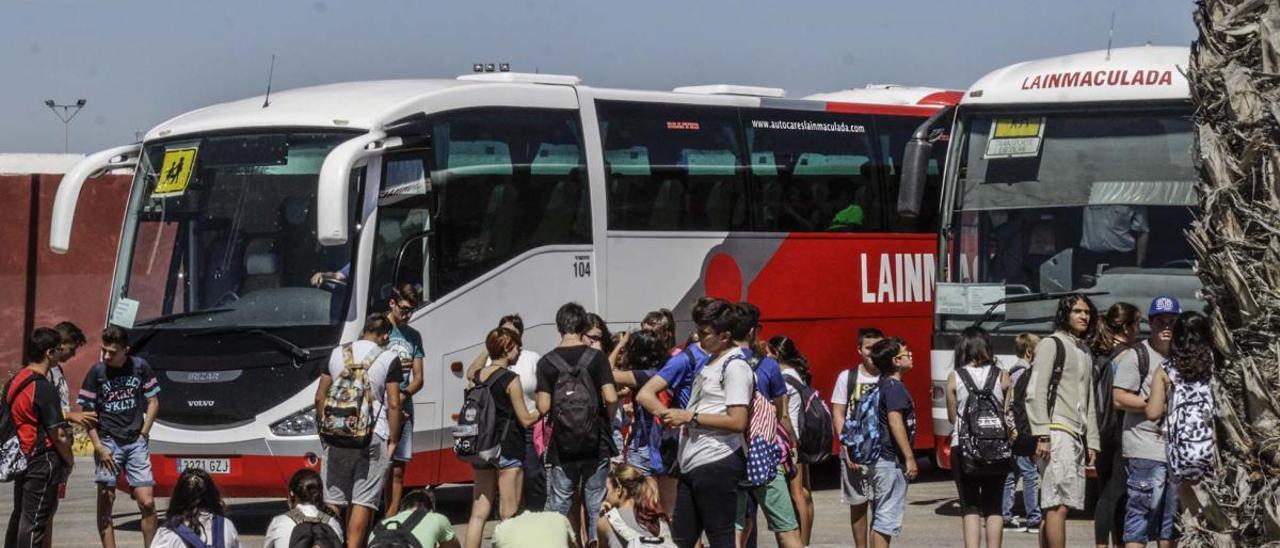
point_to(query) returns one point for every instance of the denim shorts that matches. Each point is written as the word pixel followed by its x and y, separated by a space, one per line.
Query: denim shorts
pixel 134 459
pixel 1153 502
pixel 889 486
pixel 404 447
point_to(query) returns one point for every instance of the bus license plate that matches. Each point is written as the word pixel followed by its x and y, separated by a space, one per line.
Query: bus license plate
pixel 212 466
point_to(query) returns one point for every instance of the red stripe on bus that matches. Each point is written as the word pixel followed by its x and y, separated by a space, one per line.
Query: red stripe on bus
pixel 889 110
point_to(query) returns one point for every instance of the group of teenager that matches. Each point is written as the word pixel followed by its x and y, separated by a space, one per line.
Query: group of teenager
pixel 1091 394
pixel 632 439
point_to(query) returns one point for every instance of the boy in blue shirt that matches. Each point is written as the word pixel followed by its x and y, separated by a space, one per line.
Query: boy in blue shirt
pixel 897 464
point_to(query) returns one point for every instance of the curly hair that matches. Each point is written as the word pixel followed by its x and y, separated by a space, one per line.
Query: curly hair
pixel 1062 318
pixel 644 350
pixel 1192 354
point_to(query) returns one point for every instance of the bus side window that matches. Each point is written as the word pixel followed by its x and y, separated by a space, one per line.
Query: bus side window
pixel 673 167
pixel 505 181
pixel 811 171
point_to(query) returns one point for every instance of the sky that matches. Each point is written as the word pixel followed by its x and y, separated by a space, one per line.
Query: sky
pixel 141 62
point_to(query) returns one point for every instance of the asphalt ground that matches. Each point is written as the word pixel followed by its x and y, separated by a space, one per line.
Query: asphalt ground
pixel 932 514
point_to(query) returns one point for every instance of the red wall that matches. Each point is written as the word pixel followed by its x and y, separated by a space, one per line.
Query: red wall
pixel 56 287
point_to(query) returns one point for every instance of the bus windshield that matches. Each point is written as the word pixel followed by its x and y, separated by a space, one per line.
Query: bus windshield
pixel 1052 202
pixel 221 231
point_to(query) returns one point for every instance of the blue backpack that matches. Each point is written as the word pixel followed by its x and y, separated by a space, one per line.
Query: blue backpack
pixel 862 432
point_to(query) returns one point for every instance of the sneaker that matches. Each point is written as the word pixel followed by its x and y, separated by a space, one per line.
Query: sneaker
pixel 1035 529
pixel 1012 524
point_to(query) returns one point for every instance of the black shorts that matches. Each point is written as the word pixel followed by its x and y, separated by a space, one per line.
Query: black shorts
pixel 979 494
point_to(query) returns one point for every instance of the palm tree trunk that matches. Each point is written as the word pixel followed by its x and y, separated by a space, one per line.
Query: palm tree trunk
pixel 1235 86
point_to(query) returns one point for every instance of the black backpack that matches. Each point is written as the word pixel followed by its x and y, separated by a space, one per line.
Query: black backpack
pixel 1110 419
pixel 816 427
pixel 1024 444
pixel 984 436
pixel 309 532
pixel 394 534
pixel 12 460
pixel 476 439
pixel 575 406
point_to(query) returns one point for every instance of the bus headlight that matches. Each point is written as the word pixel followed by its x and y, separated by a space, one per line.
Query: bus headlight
pixel 302 423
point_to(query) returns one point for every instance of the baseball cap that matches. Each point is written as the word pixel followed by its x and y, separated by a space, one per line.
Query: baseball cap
pixel 1164 305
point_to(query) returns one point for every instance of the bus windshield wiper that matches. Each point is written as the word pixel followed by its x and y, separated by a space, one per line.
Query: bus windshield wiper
pixel 1028 298
pixel 167 318
pixel 299 353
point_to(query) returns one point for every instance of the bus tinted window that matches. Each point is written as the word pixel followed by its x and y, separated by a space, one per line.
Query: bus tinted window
pixel 893 133
pixel 672 167
pixel 812 171
pixel 404 214
pixel 506 181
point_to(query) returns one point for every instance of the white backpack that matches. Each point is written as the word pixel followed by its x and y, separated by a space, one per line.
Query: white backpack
pixel 1188 428
pixel 634 538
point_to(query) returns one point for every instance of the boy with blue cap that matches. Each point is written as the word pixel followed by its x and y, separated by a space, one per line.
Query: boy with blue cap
pixel 1152 506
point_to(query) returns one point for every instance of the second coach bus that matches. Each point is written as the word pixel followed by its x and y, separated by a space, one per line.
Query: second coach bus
pixel 495 193
pixel 1064 175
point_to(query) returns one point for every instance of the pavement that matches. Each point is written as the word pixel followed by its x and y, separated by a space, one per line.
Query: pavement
pixel 932 514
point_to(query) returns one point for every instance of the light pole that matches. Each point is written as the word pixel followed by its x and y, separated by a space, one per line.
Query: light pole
pixel 68 112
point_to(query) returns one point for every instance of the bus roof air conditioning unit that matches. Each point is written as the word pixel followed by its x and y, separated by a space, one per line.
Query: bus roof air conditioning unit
pixel 730 89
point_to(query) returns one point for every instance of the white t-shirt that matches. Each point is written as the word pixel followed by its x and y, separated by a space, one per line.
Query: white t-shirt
pixel 702 445
pixel 282 527
pixel 166 538
pixel 793 399
pixel 526 367
pixel 840 394
pixel 377 374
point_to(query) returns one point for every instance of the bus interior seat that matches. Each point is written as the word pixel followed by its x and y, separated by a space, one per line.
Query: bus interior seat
pixel 296 241
pixel 721 204
pixel 559 214
pixel 262 265
pixel 668 205
pixel 223 266
pixel 500 218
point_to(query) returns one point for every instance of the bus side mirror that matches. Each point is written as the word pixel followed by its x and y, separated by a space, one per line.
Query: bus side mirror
pixel 333 213
pixel 915 174
pixel 64 202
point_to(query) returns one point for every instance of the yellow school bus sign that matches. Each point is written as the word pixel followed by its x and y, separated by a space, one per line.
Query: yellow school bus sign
pixel 175 172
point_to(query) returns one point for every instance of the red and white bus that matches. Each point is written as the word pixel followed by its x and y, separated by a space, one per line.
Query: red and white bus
pixel 1045 158
pixel 497 193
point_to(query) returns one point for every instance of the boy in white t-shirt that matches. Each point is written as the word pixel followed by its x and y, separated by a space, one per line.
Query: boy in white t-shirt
pixel 354 477
pixel 855 481
pixel 711 458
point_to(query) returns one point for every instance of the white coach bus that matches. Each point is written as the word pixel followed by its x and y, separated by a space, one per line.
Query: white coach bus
pixel 1068 174
pixel 495 193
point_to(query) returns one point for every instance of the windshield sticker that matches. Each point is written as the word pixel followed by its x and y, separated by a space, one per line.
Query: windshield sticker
pixel 968 299
pixel 1015 138
pixel 175 172
pixel 125 313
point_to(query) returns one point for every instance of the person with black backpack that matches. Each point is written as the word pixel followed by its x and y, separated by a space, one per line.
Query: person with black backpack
pixel 1024 444
pixel 418 525
pixel 978 399
pixel 1116 335
pixel 811 420
pixel 1062 416
pixel 494 416
pixel 35 443
pixel 577 395
pixel 308 523
pixel 1150 511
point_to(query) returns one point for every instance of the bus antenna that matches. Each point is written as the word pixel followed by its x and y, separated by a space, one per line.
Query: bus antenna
pixel 266 102
pixel 1111 33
